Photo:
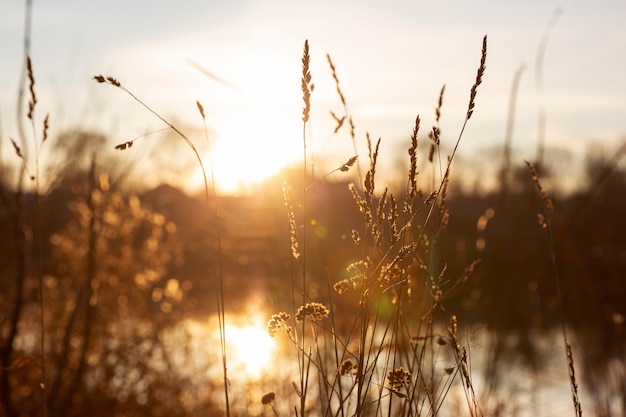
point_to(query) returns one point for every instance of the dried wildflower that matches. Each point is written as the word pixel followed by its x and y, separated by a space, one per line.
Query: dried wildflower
pixel 358 267
pixel 312 311
pixel 278 322
pixel 268 398
pixel 398 378
pixel 347 367
pixel 358 282
pixel 359 271
pixel 342 286
pixel 390 275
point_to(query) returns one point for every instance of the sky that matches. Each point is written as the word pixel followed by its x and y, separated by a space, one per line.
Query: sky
pixel 392 59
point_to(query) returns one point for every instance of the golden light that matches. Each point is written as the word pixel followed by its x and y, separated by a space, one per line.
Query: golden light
pixel 252 145
pixel 249 347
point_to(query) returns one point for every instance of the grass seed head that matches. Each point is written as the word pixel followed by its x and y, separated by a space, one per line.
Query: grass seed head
pixel 307 87
pixel 479 79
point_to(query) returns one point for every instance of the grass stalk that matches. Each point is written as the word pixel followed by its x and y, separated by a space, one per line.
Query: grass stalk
pixel 544 218
pixel 307 88
pixel 220 300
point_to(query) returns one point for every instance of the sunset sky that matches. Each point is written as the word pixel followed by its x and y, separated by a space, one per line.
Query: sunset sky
pixel 392 59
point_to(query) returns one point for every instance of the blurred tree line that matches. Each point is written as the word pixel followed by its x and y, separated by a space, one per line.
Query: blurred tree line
pixel 118 268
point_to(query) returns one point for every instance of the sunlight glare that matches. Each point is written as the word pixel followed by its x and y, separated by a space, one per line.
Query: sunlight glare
pixel 250 346
pixel 251 146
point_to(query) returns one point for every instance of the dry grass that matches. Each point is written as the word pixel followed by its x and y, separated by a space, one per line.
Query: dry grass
pixel 374 344
pixel 544 217
pixel 387 361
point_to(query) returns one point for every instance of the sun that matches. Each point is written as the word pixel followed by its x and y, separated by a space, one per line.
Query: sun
pixel 249 347
pixel 251 145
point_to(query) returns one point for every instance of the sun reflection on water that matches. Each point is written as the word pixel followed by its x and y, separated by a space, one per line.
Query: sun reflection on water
pixel 249 347
pixel 252 358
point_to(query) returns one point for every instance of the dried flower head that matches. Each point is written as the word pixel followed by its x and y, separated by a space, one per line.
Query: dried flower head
pixel 268 398
pixel 347 367
pixel 398 378
pixel 278 322
pixel 358 271
pixel 312 311
pixel 390 275
pixel 342 286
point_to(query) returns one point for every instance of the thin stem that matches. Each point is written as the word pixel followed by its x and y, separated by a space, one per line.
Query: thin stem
pixel 221 316
pixel 219 278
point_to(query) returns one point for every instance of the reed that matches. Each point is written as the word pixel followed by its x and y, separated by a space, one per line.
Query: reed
pixel 380 366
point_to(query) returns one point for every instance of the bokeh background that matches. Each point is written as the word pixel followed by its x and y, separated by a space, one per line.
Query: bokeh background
pixel 124 243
